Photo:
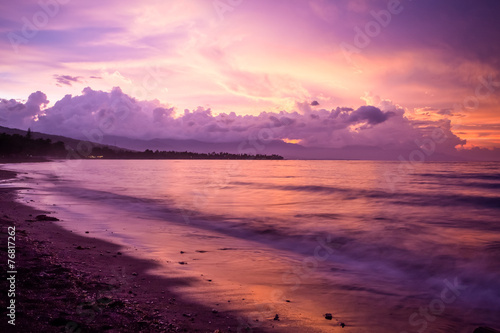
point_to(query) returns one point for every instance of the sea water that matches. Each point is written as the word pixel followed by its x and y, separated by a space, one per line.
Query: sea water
pixel 385 247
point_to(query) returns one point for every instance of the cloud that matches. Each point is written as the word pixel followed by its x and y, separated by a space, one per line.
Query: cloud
pixel 96 113
pixel 67 79
pixel 371 114
pixel 445 112
pixel 22 115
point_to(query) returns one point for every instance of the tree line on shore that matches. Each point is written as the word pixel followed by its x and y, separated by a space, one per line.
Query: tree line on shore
pixel 108 153
pixel 16 145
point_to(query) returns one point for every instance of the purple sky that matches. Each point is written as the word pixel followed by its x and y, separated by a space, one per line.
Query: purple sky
pixel 242 66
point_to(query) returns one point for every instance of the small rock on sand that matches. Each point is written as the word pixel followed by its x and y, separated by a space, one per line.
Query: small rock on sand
pixel 485 330
pixel 276 317
pixel 328 316
pixel 46 218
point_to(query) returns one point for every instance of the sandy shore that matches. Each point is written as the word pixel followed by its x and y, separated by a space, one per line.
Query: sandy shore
pixel 69 283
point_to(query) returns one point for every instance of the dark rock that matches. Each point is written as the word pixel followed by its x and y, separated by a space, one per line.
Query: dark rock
pixel 328 316
pixel 485 330
pixel 58 321
pixel 117 304
pixel 182 263
pixel 288 301
pixel 342 325
pixel 276 317
pixel 46 218
pixel 104 300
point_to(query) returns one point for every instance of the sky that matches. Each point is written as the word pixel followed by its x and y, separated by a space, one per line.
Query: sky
pixel 320 73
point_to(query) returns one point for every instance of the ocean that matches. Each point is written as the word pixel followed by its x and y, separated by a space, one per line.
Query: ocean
pixel 382 246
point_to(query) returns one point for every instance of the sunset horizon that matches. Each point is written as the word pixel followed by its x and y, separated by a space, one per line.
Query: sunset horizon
pixel 239 68
pixel 274 166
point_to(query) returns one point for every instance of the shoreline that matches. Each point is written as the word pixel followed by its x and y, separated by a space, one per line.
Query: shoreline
pixel 69 283
pixel 89 279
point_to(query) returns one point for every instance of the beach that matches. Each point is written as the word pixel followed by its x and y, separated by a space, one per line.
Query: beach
pixel 69 283
pixel 309 166
pixel 236 246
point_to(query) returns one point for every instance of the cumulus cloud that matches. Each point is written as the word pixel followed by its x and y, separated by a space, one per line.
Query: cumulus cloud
pixel 371 114
pixel 95 113
pixel 21 115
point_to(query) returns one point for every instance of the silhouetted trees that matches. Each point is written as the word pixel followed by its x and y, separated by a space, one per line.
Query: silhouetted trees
pixel 18 145
pixel 108 153
pixel 25 146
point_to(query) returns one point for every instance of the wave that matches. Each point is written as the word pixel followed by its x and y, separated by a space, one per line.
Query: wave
pixel 283 234
pixel 470 175
pixel 399 198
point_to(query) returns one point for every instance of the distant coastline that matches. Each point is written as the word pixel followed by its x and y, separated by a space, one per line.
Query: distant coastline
pixel 108 153
pixel 25 147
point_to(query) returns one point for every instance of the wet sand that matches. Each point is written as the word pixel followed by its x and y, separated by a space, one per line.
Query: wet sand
pixel 69 283
pixel 235 279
